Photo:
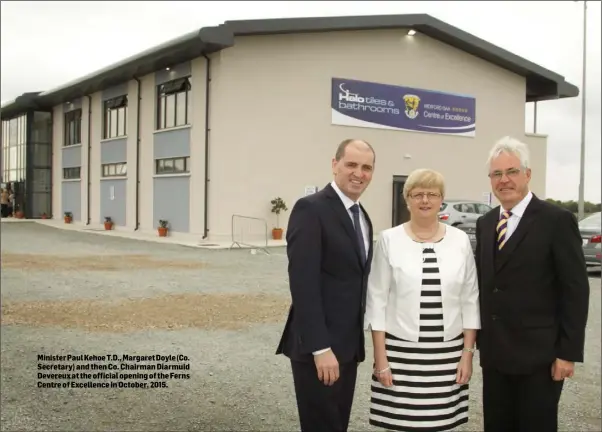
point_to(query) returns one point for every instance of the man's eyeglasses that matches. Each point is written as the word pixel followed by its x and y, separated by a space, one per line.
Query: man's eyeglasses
pixel 510 173
pixel 420 196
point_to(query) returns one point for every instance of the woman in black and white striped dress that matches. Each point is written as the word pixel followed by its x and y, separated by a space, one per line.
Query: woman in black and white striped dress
pixel 422 308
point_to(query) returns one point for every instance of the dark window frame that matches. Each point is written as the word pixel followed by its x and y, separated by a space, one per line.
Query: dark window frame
pixel 119 103
pixel 167 166
pixel 177 88
pixel 72 173
pixel 74 116
pixel 106 169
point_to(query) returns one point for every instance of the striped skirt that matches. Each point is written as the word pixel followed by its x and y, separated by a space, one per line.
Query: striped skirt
pixel 424 395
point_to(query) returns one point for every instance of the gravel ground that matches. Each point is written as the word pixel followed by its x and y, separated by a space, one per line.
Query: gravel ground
pixel 66 292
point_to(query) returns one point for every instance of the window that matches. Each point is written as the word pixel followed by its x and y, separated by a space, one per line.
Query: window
pixel 73 127
pixel 71 173
pixel 173 105
pixel 172 165
pixel 465 208
pixel 114 169
pixel 482 208
pixel 14 160
pixel 115 117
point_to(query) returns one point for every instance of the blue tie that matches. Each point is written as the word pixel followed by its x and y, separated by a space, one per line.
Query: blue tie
pixel 355 209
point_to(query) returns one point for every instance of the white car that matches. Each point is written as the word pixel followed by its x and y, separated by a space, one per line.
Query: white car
pixel 456 212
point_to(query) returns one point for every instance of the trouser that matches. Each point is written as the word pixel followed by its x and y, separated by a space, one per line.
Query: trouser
pixel 324 408
pixel 521 403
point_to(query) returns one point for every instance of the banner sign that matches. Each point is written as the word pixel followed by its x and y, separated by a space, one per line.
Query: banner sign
pixel 383 106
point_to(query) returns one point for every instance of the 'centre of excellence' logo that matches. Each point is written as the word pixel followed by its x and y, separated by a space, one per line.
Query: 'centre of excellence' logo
pixel 412 102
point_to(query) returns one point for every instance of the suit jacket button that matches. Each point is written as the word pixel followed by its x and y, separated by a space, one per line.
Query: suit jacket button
pixel 495 290
pixel 494 317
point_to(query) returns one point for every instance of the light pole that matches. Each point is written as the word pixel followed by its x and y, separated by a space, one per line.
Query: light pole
pixel 581 204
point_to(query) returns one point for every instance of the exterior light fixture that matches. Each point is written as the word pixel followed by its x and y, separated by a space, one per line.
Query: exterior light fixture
pixel 411 32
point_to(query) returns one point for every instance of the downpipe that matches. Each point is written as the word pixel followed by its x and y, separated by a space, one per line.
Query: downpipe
pixel 207 129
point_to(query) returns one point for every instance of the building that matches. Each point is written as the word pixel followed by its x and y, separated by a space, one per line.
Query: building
pixel 221 121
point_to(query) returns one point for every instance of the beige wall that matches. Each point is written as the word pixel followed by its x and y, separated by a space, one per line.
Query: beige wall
pixel 271 119
pixel 147 128
pixel 538 148
pixel 84 156
pixel 131 153
pixel 57 161
pixel 95 134
pixel 271 132
pixel 197 145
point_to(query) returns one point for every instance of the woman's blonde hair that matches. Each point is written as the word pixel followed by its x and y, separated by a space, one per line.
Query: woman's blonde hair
pixel 424 178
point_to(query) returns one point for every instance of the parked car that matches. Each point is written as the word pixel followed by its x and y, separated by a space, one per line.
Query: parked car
pixel 470 228
pixel 455 212
pixel 590 229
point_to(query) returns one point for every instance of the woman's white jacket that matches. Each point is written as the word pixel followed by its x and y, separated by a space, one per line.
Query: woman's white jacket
pixel 395 284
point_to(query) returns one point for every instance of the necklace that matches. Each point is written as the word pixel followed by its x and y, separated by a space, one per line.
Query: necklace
pixel 425 238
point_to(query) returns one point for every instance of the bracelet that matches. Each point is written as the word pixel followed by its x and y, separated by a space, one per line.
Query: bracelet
pixel 382 371
pixel 470 350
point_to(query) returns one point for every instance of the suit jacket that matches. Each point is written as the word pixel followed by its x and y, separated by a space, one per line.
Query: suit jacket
pixel 534 293
pixel 327 278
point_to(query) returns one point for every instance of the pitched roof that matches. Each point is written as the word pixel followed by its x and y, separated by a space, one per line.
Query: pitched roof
pixel 542 84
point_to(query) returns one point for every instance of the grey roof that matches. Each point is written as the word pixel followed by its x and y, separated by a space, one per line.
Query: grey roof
pixel 542 84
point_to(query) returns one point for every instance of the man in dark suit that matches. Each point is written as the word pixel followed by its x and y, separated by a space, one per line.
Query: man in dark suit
pixel 534 293
pixel 329 245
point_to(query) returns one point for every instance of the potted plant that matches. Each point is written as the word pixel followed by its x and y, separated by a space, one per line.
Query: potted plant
pixel 278 205
pixel 68 217
pixel 108 223
pixel 162 228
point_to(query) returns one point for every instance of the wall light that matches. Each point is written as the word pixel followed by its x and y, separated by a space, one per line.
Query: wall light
pixel 167 69
pixel 411 32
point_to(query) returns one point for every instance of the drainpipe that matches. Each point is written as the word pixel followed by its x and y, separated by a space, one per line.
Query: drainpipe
pixel 206 204
pixel 89 155
pixel 138 157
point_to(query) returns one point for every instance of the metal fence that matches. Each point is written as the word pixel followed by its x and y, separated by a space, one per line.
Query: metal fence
pixel 250 232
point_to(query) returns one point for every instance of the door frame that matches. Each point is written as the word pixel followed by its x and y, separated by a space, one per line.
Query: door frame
pixel 396 191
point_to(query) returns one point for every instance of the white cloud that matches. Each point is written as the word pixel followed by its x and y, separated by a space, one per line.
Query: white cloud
pixel 45 44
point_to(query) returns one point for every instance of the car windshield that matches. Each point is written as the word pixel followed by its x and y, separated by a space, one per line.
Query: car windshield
pixel 592 222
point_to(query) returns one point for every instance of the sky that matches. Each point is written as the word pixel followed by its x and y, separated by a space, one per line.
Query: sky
pixel 46 44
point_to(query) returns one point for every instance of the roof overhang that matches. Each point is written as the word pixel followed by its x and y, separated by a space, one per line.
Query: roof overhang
pixel 542 84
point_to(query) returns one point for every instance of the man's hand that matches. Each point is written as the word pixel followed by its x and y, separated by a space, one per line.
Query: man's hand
pixel 562 369
pixel 327 366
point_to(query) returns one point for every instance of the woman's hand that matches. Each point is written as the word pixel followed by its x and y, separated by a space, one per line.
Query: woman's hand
pixel 382 372
pixel 464 368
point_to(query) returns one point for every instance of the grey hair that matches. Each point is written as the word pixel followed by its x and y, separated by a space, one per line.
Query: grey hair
pixel 511 146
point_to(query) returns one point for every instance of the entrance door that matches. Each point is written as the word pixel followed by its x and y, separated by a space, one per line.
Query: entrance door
pixel 401 213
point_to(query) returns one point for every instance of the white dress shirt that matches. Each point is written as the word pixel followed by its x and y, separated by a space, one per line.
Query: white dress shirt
pixel 517 213
pixel 395 284
pixel 348 202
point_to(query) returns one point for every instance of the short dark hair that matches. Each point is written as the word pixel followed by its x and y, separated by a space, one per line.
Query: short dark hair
pixel 343 146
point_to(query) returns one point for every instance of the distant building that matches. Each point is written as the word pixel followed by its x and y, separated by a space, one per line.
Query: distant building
pixel 221 121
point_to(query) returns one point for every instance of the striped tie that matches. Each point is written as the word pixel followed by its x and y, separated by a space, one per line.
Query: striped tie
pixel 501 229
